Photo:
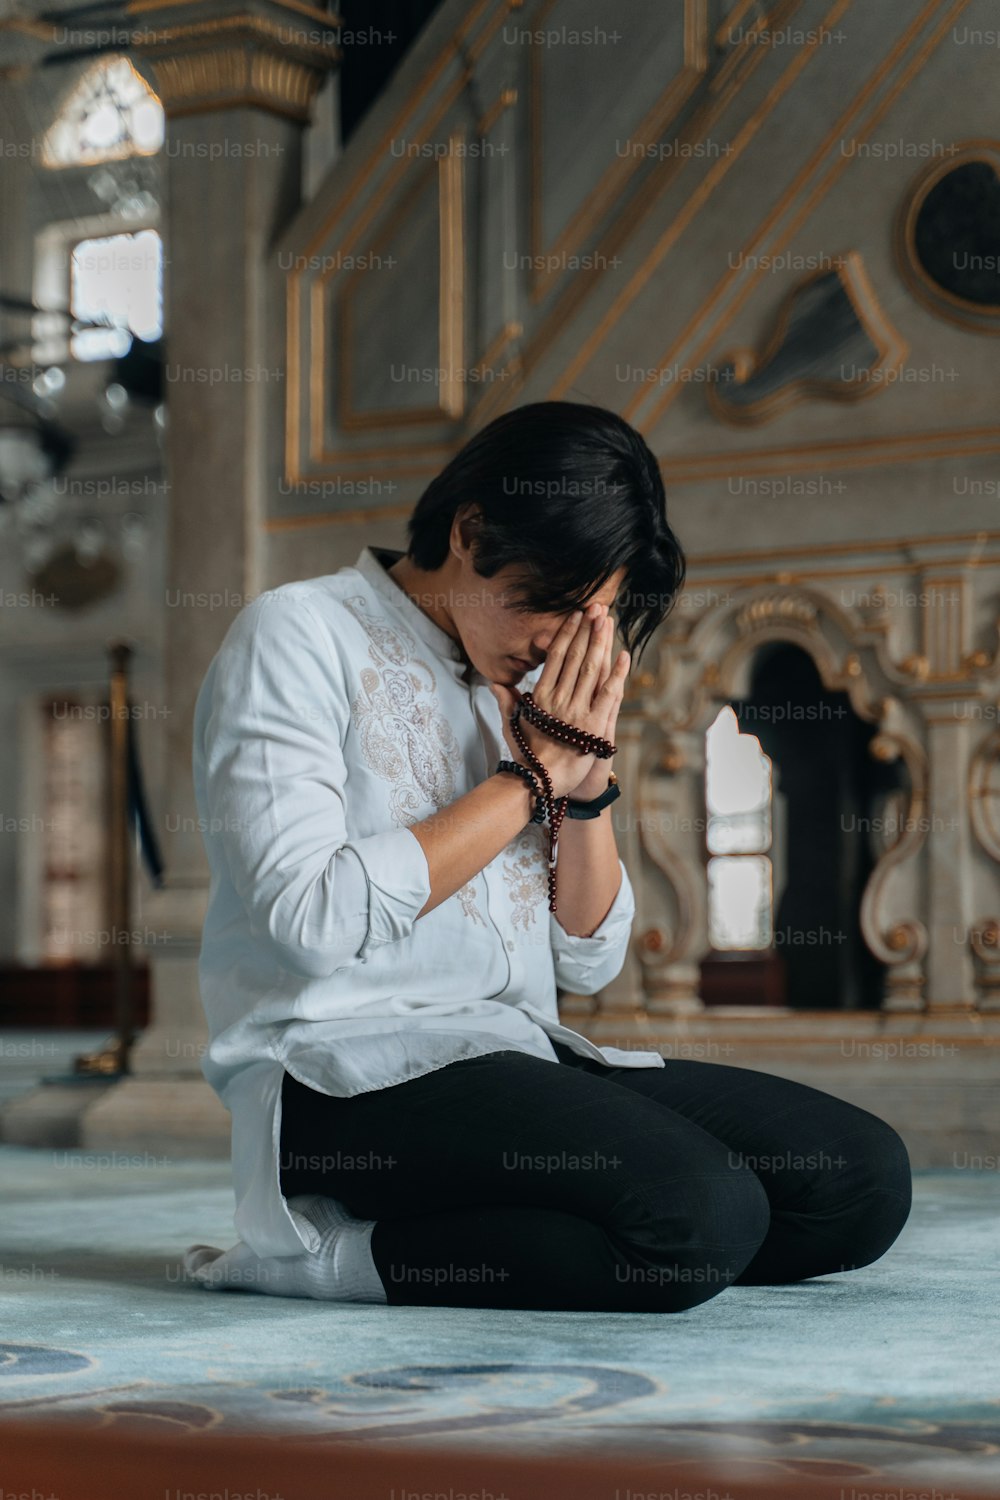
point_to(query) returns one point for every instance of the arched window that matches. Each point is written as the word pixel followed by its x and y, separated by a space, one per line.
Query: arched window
pixel 117 278
pixel 738 796
pixel 111 114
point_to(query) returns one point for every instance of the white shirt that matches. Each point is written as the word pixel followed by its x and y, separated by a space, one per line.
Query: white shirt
pixel 335 714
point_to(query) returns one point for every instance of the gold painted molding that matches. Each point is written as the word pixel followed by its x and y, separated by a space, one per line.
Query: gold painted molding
pixel 722 90
pixel 694 676
pixel 418 460
pixel 654 948
pixel 42 31
pixel 615 179
pixel 984 940
pixel 945 625
pixel 981 795
pixel 448 173
pixel 826 549
pixel 904 942
pixel 785 607
pixel 469 50
pixel 504 101
pixel 821 187
pixel 681 221
pixel 451 280
pixel 329 18
pixel 209 81
pixel 861 453
pixel 321 460
pixel 231 62
pixel 891 351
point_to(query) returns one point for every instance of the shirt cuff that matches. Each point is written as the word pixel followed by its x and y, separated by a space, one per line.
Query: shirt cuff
pixel 399 883
pixel 584 965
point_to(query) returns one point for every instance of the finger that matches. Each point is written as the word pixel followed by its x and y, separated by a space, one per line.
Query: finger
pixel 588 674
pixel 576 653
pixel 572 653
pixel 601 706
pixel 609 644
pixel 614 688
pixel 609 638
pixel 549 675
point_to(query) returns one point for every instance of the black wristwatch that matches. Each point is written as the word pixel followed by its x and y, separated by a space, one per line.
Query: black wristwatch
pixel 593 808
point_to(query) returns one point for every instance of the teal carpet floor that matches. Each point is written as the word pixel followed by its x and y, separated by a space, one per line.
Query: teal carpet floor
pixel 891 1370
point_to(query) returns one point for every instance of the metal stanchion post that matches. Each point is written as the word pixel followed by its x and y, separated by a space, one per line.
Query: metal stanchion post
pixel 113 1059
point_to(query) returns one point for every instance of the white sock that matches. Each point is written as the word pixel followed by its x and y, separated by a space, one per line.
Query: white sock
pixel 340 1268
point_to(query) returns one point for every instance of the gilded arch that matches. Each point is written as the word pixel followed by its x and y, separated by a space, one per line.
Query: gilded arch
pixel 701 664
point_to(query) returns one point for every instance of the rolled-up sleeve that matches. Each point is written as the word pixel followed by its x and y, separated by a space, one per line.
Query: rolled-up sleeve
pixel 275 778
pixel 583 965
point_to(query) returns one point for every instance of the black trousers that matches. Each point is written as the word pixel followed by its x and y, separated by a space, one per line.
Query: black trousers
pixel 508 1181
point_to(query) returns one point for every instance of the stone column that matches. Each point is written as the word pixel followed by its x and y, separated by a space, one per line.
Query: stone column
pixel 950 859
pixel 237 79
pixel 674 933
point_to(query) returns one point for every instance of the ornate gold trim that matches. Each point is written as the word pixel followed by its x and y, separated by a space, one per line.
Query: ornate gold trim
pixel 734 18
pixel 617 176
pixel 574 293
pixel 749 47
pixel 204 82
pixel 504 100
pixel 697 465
pixel 228 62
pixel 42 31
pixel 904 942
pixel 456 51
pixel 944 627
pixel 694 203
pixel 814 549
pixel 890 346
pixel 447 171
pixel 247 27
pixel 862 453
pixel 451 281
pixel 850 655
pixel 240 101
pixel 984 940
pixel 817 194
pixel 937 299
pixel 329 18
pixel 319 455
pixel 623 226
pixel 508 334
pixel 979 794
pixel 679 875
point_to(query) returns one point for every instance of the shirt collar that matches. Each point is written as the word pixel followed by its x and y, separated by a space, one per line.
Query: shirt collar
pixel 372 564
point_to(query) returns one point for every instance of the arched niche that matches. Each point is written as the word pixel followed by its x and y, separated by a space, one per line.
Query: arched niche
pixel 700 665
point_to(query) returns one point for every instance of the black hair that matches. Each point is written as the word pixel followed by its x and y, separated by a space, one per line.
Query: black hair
pixel 568 493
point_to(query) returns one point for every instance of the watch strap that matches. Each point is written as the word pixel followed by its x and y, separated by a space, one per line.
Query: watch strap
pixel 594 807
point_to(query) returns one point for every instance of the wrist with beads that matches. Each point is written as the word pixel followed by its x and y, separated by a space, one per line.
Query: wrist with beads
pixel 526 774
pixel 549 806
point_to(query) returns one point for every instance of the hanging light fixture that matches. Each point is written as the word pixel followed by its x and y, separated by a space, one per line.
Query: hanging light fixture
pixel 32 448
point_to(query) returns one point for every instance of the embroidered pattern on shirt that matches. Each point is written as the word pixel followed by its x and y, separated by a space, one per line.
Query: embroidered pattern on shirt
pixel 404 736
pixel 466 897
pixel 525 872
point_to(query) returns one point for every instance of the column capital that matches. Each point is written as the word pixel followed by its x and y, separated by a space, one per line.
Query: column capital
pixel 232 54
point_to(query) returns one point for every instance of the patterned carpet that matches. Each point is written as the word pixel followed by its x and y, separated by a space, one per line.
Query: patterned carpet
pixel 888 1371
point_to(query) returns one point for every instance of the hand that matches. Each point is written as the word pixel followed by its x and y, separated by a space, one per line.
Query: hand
pixel 580 685
pixel 596 780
